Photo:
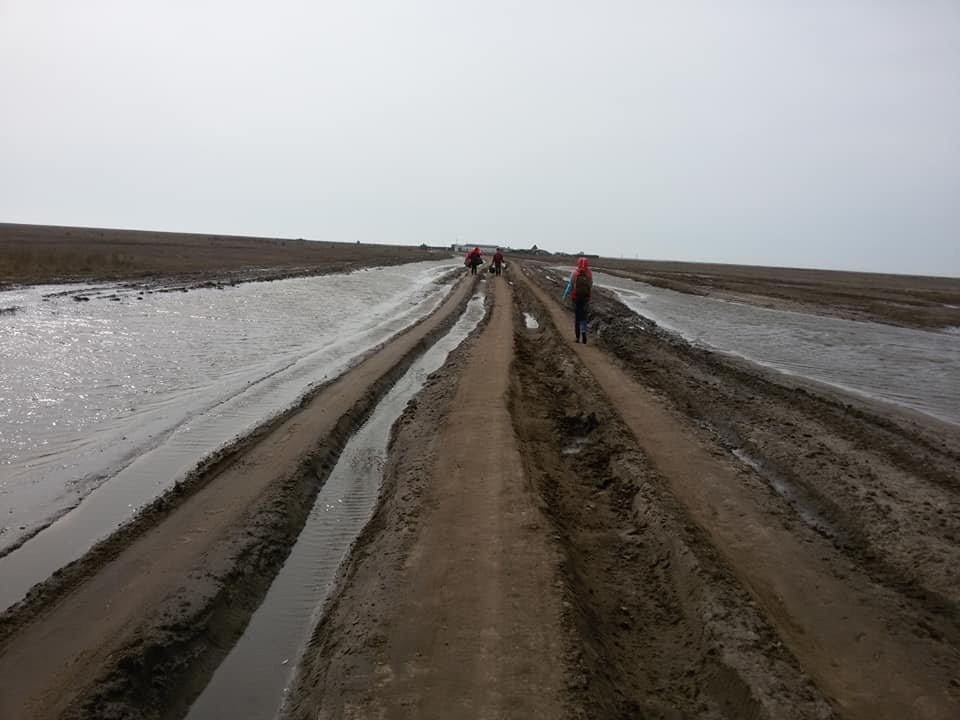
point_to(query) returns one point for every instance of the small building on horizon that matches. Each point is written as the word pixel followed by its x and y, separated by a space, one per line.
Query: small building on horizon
pixel 485 249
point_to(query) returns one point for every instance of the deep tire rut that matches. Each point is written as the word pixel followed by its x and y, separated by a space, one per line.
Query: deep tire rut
pixel 658 627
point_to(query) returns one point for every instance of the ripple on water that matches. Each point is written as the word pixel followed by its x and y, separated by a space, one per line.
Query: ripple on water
pixel 138 392
pixel 916 369
pixel 253 679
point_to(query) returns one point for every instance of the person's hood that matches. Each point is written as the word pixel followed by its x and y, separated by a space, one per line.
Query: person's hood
pixel 583 264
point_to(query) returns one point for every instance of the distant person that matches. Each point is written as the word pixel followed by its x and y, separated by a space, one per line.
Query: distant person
pixel 498 261
pixel 579 288
pixel 473 260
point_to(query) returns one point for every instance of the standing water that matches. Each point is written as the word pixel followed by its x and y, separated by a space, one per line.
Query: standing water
pixel 112 402
pixel 252 681
pixel 917 369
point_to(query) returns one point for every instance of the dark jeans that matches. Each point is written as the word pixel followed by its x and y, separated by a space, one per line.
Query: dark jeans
pixel 580 317
pixel 473 269
pixel 497 267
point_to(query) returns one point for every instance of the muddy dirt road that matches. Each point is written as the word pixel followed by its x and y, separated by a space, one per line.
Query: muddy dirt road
pixel 852 633
pixel 168 590
pixel 454 610
pixel 636 527
pixel 695 581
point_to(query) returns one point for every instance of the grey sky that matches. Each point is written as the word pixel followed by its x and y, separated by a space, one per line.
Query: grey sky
pixel 819 133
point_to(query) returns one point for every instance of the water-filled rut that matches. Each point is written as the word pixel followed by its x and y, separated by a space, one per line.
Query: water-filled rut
pixel 253 679
pixel 219 365
pixel 138 389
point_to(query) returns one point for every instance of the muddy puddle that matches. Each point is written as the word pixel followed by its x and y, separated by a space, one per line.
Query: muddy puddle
pixel 797 497
pixel 105 404
pixel 253 680
pixel 916 369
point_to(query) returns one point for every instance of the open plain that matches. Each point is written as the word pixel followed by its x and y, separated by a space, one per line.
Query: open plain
pixel 636 527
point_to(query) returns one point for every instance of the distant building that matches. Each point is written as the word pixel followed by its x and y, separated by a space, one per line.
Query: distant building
pixel 485 249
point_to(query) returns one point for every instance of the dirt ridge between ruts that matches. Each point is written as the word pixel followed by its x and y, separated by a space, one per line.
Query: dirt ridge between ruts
pixel 186 658
pixel 659 625
pixel 454 608
pixel 882 488
pixel 209 465
pixel 388 534
pixel 173 650
pixel 866 648
pixel 62 580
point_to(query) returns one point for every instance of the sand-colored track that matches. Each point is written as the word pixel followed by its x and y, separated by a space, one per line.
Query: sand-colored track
pixel 475 621
pixel 49 661
pixel 838 628
pixel 453 608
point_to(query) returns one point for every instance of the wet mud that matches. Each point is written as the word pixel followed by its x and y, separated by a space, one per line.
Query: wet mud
pixel 173 651
pixel 658 617
pixel 658 626
pixel 910 301
pixel 883 488
pixel 333 675
pixel 253 677
pixel 104 406
pixel 654 625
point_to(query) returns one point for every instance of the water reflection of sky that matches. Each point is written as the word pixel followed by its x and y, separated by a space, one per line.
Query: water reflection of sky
pixel 250 682
pixel 85 387
pixel 914 368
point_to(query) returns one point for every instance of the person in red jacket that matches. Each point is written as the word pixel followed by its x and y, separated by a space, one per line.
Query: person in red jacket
pixel 579 288
pixel 473 260
pixel 497 261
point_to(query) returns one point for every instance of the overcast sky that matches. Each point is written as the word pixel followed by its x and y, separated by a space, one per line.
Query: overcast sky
pixel 816 133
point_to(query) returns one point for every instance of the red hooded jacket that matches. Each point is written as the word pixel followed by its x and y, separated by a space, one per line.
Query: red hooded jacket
pixel 475 253
pixel 583 266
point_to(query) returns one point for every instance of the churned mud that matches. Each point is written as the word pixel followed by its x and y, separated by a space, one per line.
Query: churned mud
pixel 339 673
pixel 658 626
pixel 882 488
pixel 452 607
pixel 637 527
pixel 779 474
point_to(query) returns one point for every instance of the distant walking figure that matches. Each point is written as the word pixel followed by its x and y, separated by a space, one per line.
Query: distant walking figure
pixel 497 261
pixel 579 288
pixel 473 260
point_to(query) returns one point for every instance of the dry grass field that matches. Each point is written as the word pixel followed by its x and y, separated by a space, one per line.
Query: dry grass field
pixel 33 254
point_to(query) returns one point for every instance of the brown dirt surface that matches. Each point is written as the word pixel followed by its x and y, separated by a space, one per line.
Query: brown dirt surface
pixel 135 627
pixel 636 527
pixel 451 607
pixel 661 627
pixel 906 300
pixel 41 254
pixel 865 603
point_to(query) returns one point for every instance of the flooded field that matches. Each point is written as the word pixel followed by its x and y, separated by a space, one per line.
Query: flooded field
pixel 133 389
pixel 916 369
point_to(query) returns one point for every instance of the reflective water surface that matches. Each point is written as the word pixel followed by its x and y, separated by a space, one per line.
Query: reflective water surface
pixel 132 392
pixel 253 679
pixel 914 368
